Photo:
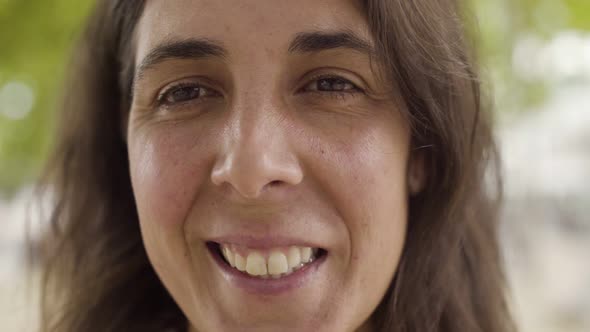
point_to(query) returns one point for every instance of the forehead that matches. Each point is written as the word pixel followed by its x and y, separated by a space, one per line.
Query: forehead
pixel 245 24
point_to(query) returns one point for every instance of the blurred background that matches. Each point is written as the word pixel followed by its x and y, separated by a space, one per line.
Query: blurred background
pixel 535 57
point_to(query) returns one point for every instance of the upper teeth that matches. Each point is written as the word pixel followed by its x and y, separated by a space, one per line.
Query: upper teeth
pixel 275 262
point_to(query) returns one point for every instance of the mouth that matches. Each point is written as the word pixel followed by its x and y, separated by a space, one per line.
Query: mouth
pixel 269 264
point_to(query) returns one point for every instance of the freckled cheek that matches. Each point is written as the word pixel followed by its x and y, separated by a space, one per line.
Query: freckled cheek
pixel 368 174
pixel 166 176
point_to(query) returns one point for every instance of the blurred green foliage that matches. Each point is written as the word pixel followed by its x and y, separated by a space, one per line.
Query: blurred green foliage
pixel 36 37
pixel 501 23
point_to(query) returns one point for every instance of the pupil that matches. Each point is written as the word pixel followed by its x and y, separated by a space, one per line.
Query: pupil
pixel 324 85
pixel 331 84
pixel 338 85
pixel 184 94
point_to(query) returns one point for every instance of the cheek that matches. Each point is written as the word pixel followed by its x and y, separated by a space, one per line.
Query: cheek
pixel 167 168
pixel 378 218
pixel 378 201
pixel 366 179
pixel 365 168
pixel 363 171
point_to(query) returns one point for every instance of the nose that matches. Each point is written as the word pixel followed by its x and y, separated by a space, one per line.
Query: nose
pixel 256 154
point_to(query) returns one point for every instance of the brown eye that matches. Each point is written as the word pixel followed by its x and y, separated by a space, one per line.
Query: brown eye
pixel 184 92
pixel 331 84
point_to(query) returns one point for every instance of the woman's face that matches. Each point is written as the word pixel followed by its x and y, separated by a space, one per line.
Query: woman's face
pixel 268 163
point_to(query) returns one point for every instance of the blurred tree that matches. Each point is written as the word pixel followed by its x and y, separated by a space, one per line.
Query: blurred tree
pixel 504 23
pixel 36 37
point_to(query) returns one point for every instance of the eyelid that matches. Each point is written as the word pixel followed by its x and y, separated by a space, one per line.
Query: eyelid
pixel 326 73
pixel 171 87
pixel 200 82
pixel 355 88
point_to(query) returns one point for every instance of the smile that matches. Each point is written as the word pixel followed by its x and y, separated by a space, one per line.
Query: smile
pixel 270 270
pixel 274 262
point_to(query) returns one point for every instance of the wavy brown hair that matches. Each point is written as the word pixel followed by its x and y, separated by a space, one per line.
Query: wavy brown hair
pixel 96 274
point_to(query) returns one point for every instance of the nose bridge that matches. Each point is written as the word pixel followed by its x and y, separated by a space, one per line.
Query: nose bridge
pixel 257 128
pixel 255 122
pixel 257 150
pixel 255 106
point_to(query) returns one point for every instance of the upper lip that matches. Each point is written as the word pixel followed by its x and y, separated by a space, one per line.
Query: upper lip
pixel 268 241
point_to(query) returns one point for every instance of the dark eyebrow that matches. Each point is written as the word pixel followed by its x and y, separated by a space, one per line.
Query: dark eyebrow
pixel 180 49
pixel 196 48
pixel 317 41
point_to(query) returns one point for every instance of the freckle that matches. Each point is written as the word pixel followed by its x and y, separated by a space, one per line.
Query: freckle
pixel 322 151
pixel 270 52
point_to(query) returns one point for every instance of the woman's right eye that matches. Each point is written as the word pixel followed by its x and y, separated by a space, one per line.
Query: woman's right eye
pixel 184 92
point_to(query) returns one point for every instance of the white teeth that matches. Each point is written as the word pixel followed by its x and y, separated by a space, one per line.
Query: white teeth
pixel 240 262
pixel 277 264
pixel 229 256
pixel 294 257
pixel 280 262
pixel 256 264
pixel 305 254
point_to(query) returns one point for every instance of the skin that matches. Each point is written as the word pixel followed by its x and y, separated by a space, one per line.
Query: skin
pixel 261 151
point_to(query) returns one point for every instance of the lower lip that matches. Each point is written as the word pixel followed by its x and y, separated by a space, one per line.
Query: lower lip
pixel 270 286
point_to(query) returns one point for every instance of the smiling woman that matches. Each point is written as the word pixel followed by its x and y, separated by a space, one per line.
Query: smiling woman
pixel 273 166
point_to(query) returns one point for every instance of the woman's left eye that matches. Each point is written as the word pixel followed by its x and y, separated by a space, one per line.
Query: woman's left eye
pixel 331 84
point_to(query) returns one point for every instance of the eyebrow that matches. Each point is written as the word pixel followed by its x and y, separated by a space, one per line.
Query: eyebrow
pixel 317 41
pixel 200 48
pixel 193 48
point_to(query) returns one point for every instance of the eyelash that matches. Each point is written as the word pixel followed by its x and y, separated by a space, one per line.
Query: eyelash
pixel 339 94
pixel 354 89
pixel 163 96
